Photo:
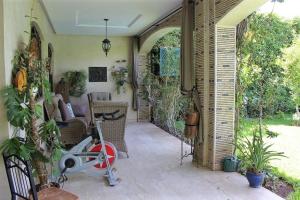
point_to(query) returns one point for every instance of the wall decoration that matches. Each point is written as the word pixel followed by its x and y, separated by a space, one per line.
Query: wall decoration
pixel 97 74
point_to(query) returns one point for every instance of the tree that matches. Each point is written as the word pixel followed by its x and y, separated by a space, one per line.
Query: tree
pixel 296 24
pixel 260 50
pixel 163 91
pixel 292 71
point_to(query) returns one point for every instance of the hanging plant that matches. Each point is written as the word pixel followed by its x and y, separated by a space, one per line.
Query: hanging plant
pixel 77 82
pixel 120 76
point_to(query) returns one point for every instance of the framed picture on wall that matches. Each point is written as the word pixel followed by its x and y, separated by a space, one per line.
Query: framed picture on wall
pixel 97 74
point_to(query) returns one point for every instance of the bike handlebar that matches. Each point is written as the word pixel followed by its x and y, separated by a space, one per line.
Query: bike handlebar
pixel 109 116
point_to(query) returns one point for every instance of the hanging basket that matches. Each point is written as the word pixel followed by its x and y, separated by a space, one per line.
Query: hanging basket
pixel 191 125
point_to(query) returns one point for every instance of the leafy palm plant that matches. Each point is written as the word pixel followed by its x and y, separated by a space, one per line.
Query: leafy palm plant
pixel 256 155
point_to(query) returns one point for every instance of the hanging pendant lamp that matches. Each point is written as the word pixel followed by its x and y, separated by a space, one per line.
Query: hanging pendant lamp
pixel 106 43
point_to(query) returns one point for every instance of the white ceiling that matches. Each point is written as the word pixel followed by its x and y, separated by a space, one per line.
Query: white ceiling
pixel 126 17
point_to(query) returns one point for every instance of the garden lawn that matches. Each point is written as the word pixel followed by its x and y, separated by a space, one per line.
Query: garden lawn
pixel 248 125
pixel 287 141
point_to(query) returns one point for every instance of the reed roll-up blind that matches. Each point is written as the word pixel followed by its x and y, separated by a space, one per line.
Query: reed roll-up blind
pixel 187 47
pixel 187 59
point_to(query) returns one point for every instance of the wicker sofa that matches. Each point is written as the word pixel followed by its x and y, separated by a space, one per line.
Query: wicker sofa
pixel 113 131
pixel 73 130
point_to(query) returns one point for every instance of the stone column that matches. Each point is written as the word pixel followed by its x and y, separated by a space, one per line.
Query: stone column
pixel 215 80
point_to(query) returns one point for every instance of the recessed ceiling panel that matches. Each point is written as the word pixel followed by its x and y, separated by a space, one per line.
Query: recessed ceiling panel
pixel 86 17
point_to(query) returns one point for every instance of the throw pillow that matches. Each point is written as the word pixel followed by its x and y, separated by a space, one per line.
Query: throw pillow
pixel 70 110
pixel 80 110
pixel 65 114
pixel 56 113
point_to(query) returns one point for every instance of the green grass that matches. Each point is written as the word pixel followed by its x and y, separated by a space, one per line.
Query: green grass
pixel 247 128
pixel 180 124
pixel 281 119
pixel 248 125
pixel 293 181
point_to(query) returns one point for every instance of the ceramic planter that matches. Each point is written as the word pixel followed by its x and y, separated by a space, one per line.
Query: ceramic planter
pixel 231 164
pixel 255 180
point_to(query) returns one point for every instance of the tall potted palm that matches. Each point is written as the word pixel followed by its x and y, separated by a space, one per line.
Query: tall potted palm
pixel 33 138
pixel 256 156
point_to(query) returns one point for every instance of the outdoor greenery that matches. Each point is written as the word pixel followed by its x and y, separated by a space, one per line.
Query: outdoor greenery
pixel 291 65
pixel 163 92
pixel 261 77
pixel 248 125
pixel 255 154
pixel 76 81
pixel 120 76
pixel 275 173
pixel 268 83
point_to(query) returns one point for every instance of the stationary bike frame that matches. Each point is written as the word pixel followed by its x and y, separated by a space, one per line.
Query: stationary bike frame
pixel 77 159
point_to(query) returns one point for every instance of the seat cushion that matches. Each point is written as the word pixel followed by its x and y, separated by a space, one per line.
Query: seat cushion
pixel 54 193
pixel 80 110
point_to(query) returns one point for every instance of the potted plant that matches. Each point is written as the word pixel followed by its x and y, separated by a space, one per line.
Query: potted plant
pixel 33 139
pixel 191 124
pixel 231 163
pixel 76 81
pixel 255 157
pixel 120 76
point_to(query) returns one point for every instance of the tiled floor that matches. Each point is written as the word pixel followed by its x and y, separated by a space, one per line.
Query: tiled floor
pixel 153 172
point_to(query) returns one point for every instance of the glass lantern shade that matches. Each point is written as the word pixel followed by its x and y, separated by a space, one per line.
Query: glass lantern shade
pixel 106 46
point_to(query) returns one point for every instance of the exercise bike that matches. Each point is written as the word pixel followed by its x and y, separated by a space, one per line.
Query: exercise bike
pixel 90 152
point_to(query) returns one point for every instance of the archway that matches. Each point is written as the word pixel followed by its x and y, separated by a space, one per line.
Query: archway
pixel 35 34
pixel 150 41
pixel 147 43
pixel 50 65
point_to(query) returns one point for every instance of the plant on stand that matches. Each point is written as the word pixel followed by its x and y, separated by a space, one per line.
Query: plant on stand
pixel 77 82
pixel 255 157
pixel 120 76
pixel 24 111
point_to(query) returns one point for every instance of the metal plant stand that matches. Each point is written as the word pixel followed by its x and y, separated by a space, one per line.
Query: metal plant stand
pixel 186 154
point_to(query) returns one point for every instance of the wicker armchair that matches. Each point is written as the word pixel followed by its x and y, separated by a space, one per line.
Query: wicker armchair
pixel 113 131
pixel 73 130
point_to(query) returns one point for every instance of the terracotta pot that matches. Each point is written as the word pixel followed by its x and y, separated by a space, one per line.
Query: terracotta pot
pixel 191 125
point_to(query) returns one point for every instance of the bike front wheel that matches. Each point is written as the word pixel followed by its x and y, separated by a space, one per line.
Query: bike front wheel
pixel 112 154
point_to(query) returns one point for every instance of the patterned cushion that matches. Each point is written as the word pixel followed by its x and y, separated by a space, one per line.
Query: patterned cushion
pixel 70 110
pixel 65 114
pixel 56 112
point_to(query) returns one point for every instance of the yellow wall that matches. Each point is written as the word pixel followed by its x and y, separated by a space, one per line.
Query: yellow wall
pixel 15 24
pixel 4 190
pixel 3 122
pixel 82 52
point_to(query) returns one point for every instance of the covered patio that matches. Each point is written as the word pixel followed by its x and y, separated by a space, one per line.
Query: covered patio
pixel 153 171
